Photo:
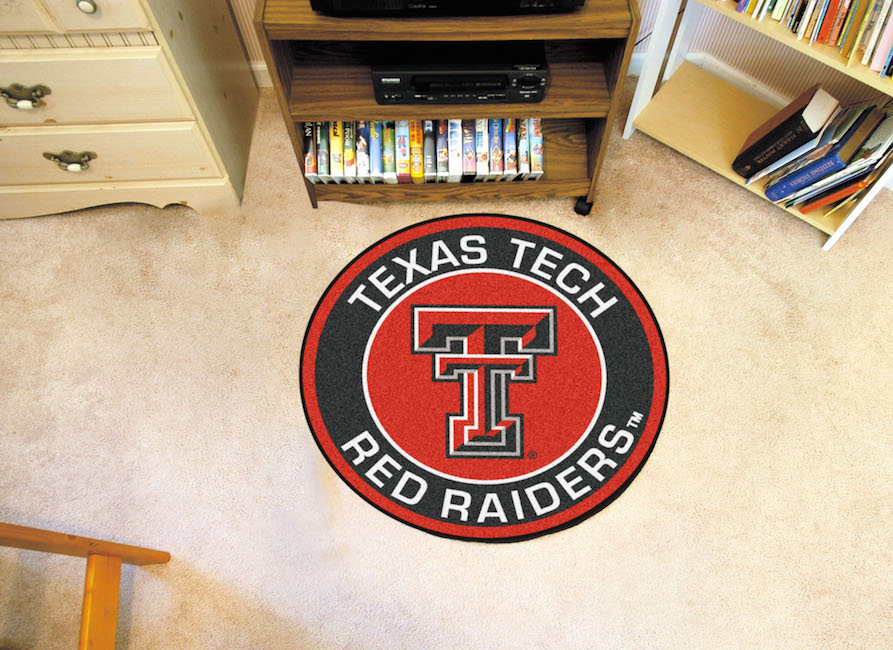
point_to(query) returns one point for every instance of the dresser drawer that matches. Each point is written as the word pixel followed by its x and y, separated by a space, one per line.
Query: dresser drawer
pixel 24 16
pixel 74 16
pixel 127 84
pixel 125 152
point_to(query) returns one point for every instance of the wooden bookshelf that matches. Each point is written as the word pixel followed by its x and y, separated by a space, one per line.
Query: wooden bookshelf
pixel 321 71
pixel 295 20
pixel 708 119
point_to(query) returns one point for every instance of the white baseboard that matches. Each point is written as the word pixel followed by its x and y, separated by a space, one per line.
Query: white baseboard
pixel 261 74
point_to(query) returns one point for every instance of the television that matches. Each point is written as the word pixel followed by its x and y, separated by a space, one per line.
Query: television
pixel 417 8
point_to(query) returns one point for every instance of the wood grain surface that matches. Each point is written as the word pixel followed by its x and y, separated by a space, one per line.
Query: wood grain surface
pixel 294 19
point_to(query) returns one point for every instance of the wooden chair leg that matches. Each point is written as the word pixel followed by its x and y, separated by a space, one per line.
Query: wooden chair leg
pixel 100 615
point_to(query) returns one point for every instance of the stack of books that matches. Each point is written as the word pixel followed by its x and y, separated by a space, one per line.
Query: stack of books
pixel 863 28
pixel 816 153
pixel 423 151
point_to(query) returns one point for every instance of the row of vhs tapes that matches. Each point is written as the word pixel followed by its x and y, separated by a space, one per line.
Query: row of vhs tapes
pixel 423 151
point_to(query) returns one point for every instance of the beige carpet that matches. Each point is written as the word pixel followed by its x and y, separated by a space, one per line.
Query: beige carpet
pixel 149 395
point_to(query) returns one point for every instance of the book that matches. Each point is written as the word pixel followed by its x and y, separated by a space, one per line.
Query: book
pixel 785 131
pixel 835 131
pixel 779 11
pixel 821 138
pixel 847 188
pixel 523 150
pixel 870 20
pixel 322 152
pixel 402 143
pixel 876 32
pixel 443 151
pixel 821 10
pixel 455 157
pixel 888 65
pixel 836 158
pixel 884 45
pixel 481 146
pixel 469 154
pixel 510 148
pixel 336 150
pixel 497 167
pixel 828 21
pixel 375 157
pixel 310 152
pixel 807 15
pixel 350 152
pixel 535 135
pixel 837 193
pixel 862 34
pixel 848 31
pixel 416 152
pixel 389 152
pixel 429 162
pixel 842 12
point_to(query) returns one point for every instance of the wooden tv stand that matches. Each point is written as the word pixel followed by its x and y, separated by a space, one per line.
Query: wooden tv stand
pixel 319 73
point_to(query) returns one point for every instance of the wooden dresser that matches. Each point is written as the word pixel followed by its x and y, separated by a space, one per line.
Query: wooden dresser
pixel 109 101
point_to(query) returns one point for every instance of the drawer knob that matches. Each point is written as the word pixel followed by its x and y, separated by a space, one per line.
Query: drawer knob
pixel 87 6
pixel 24 98
pixel 71 161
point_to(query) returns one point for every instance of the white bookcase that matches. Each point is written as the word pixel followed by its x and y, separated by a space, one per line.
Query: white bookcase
pixel 707 119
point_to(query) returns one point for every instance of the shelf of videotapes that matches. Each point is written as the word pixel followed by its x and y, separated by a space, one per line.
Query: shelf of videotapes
pixel 423 151
pixel 345 159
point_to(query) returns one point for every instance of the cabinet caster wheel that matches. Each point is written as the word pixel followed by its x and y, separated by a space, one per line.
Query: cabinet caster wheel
pixel 583 207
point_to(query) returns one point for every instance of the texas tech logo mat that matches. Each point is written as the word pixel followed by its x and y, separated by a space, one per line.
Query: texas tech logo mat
pixel 484 377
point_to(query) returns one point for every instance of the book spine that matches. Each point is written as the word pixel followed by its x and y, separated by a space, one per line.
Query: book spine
pixel 537 150
pixel 523 150
pixel 886 68
pixel 469 155
pixel 322 152
pixel 875 33
pixel 402 132
pixel 362 151
pixel 455 155
pixel 416 152
pixel 818 23
pixel 310 152
pixel 779 10
pixel 443 151
pixel 842 12
pixel 510 148
pixel 884 45
pixel 481 146
pixel 497 165
pixel 828 21
pixel 857 31
pixel 429 150
pixel 389 152
pixel 336 150
pixel 375 161
pixel 789 135
pixel 806 176
pixel 868 20
pixel 844 37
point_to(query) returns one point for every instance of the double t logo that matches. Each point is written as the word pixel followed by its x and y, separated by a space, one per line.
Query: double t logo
pixel 484 349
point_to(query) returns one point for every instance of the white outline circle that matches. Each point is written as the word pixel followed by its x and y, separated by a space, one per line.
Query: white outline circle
pixel 587 430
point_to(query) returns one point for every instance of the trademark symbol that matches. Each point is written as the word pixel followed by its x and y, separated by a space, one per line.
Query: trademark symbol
pixel 532 455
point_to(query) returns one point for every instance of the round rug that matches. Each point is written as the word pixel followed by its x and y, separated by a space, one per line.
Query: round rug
pixel 484 377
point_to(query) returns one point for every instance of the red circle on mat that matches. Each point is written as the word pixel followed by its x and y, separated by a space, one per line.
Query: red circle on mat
pixel 484 377
pixel 412 410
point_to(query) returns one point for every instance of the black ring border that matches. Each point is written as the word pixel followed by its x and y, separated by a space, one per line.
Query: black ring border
pixel 502 540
